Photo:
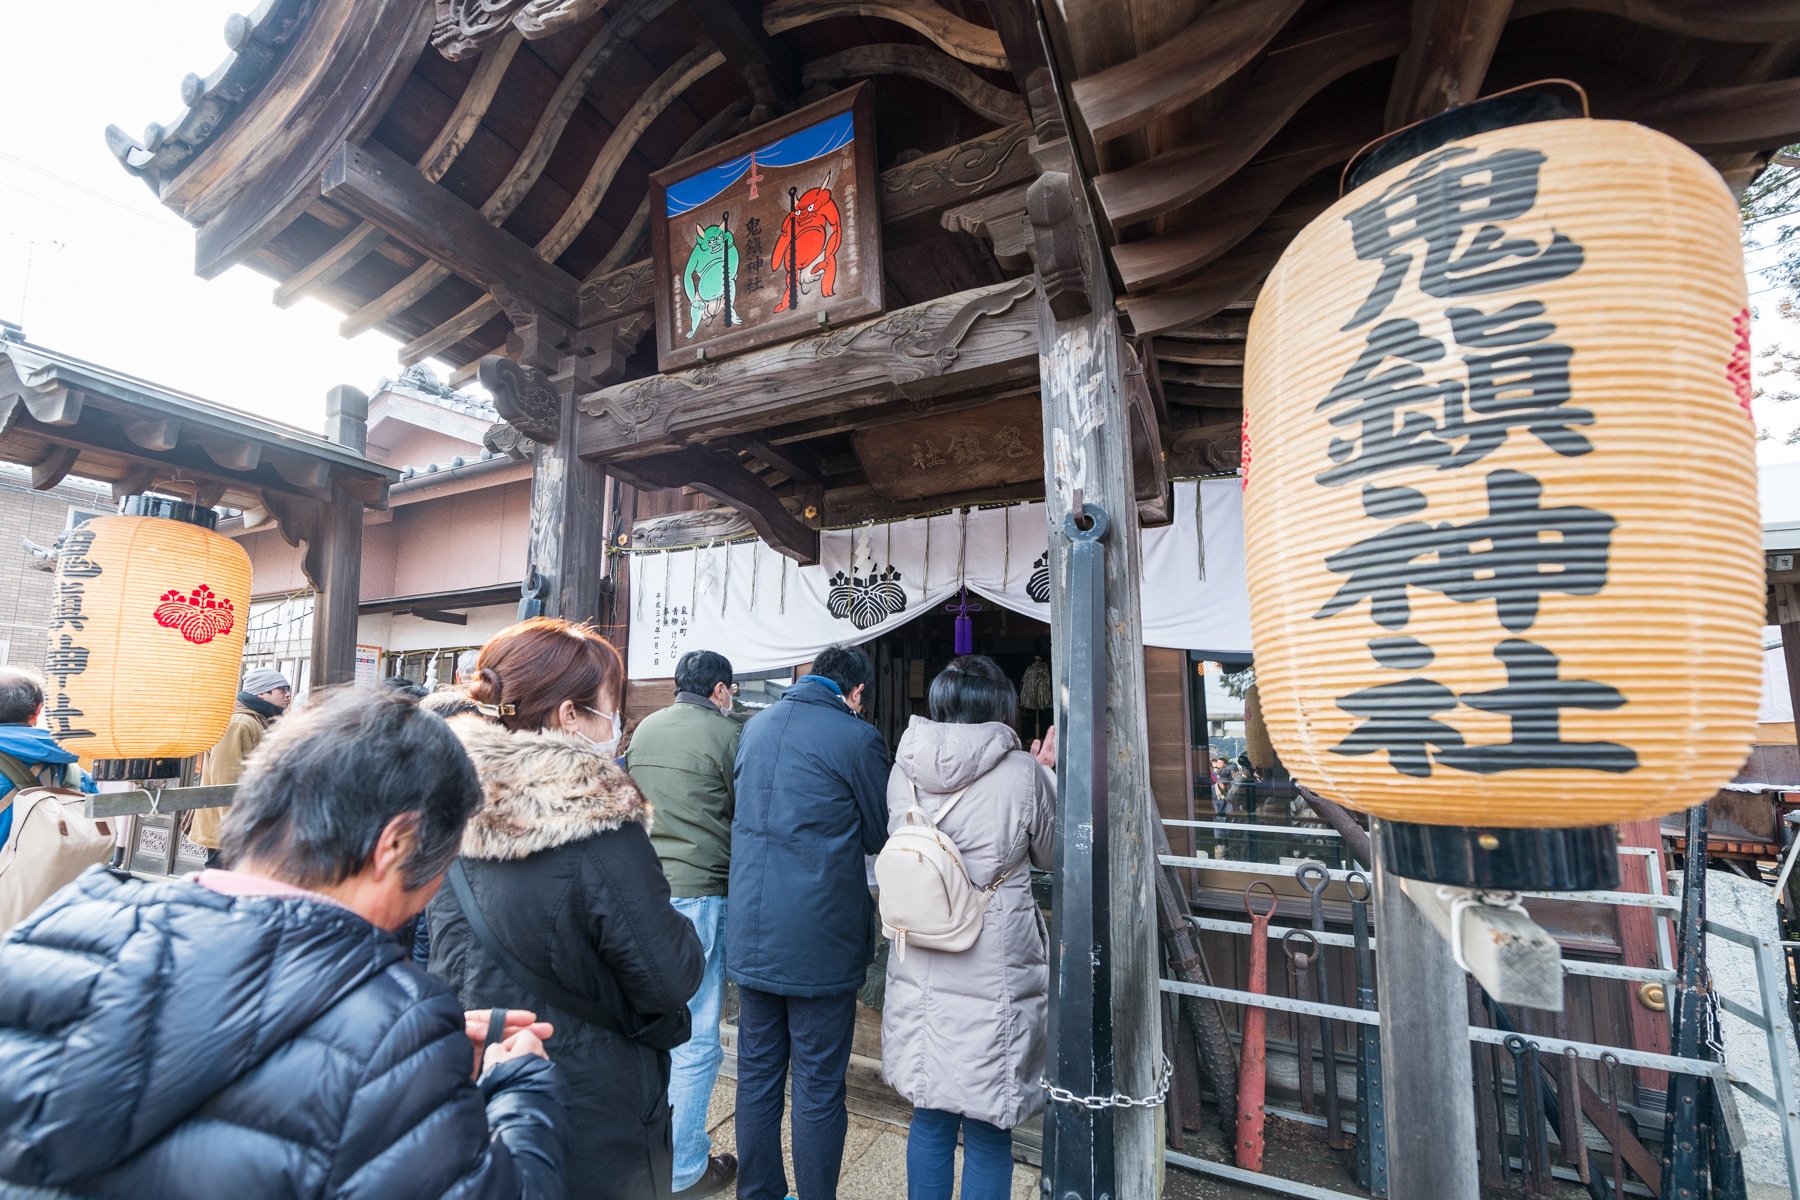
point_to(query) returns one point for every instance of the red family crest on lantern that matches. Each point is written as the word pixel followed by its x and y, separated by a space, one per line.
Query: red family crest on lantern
pixel 1503 545
pixel 144 659
pixel 199 615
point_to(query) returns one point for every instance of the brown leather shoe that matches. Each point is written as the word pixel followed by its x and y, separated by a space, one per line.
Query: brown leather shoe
pixel 721 1170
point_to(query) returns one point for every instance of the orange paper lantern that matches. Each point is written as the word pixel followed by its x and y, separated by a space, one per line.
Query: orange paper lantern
pixel 1502 539
pixel 147 634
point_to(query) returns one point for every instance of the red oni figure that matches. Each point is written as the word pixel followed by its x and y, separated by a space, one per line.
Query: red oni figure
pixel 806 251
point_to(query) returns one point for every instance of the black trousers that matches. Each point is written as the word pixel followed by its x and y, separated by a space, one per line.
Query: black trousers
pixel 813 1034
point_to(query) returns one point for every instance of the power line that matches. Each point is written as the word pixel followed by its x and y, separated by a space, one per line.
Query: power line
pixel 86 191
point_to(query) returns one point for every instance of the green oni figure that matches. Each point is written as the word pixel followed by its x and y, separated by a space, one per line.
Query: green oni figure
pixel 710 277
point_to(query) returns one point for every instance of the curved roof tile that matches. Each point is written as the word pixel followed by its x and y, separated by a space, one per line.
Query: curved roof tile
pixel 257 43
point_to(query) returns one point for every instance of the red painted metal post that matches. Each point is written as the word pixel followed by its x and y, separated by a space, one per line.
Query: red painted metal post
pixel 1253 1065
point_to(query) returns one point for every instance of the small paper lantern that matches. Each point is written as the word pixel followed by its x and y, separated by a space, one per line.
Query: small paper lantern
pixel 146 634
pixel 1502 538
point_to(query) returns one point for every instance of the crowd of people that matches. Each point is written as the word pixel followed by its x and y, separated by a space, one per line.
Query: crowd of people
pixel 459 945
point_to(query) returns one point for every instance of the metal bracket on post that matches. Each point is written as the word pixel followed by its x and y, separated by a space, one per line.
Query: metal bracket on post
pixel 1078 1150
pixel 1494 939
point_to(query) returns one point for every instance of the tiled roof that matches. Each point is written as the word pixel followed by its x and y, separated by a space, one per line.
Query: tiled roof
pixel 257 43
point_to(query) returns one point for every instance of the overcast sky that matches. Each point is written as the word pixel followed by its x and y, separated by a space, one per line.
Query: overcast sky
pixel 92 265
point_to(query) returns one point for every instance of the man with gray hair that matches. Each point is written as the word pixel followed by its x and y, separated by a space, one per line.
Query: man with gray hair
pixel 265 695
pixel 29 756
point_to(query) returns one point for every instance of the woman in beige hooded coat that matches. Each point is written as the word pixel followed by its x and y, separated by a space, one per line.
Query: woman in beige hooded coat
pixel 963 1032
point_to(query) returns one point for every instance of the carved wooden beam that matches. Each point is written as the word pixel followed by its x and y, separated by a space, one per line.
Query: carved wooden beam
pixel 1000 220
pixel 919 62
pixel 1757 116
pixel 152 433
pixel 524 397
pixel 1172 75
pixel 969 340
pixel 724 478
pixel 768 68
pixel 1255 192
pixel 796 462
pixel 1056 245
pixel 1445 61
pixel 452 138
pixel 54 467
pixel 1230 278
pixel 54 405
pixel 232 453
pixel 1322 49
pixel 961 39
pixel 1719 20
pixel 389 192
pixel 136 481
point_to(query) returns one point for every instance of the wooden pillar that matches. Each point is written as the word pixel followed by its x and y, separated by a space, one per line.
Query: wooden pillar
pixel 336 558
pixel 339 591
pixel 568 524
pixel 537 390
pixel 1087 449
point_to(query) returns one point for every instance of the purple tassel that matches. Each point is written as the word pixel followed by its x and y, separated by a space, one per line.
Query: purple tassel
pixel 965 627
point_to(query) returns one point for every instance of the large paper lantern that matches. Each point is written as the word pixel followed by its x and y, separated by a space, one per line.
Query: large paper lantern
pixel 146 633
pixel 1500 505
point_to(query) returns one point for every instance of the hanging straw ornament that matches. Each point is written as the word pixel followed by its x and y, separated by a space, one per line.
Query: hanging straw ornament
pixel 1035 692
pixel 725 589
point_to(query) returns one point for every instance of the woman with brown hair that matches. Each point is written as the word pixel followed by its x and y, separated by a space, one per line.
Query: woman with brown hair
pixel 558 903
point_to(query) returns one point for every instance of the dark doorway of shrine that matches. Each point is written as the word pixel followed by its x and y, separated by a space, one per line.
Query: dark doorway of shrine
pixel 907 659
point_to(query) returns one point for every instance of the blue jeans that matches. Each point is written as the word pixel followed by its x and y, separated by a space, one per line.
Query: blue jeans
pixel 813 1032
pixel 931 1157
pixel 694 1065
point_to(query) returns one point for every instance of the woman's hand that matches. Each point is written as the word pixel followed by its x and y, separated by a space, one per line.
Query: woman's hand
pixel 517 1046
pixel 524 1034
pixel 1044 749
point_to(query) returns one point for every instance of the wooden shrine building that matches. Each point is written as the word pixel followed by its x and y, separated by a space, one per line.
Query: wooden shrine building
pixel 1047 218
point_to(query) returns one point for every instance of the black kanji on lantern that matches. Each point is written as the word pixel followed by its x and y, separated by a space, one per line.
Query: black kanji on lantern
pixel 1533 698
pixel 1529 551
pixel 1382 406
pixel 1399 717
pixel 1516 380
pixel 1434 206
pixel 1523 384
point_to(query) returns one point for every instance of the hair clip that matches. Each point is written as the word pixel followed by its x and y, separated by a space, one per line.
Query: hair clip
pixel 497 710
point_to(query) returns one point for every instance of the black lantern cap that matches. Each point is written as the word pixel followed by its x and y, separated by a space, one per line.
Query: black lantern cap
pixel 1502 859
pixel 168 508
pixel 1551 100
pixel 116 770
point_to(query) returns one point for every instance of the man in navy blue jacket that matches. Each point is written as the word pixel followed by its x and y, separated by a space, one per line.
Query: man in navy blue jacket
pixel 811 785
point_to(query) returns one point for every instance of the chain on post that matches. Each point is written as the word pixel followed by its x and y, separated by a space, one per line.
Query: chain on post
pixel 1117 1099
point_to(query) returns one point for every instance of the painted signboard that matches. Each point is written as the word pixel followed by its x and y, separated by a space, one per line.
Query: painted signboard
pixel 769 236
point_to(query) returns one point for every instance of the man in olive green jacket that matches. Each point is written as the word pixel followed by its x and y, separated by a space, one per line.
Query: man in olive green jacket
pixel 264 696
pixel 682 759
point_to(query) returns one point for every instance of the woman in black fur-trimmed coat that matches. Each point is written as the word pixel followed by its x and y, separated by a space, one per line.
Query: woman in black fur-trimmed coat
pixel 560 862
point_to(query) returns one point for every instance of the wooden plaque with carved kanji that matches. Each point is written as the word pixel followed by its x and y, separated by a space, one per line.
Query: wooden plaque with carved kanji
pixel 957 452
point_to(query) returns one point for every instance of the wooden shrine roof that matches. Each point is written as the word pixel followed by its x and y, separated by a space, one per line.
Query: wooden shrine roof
pixel 1212 131
pixel 66 417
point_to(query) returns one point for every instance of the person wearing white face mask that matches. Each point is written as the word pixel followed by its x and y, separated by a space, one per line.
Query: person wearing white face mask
pixel 558 902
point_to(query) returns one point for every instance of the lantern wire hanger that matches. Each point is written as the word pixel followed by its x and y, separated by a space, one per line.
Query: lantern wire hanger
pixel 1384 139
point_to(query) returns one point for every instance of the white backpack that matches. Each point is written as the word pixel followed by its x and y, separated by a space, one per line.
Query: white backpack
pixel 927 897
pixel 53 841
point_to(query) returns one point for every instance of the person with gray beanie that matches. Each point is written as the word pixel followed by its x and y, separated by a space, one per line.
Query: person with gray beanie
pixel 265 695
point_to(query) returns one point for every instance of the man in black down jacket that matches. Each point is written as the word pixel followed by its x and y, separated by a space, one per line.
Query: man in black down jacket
pixel 259 1033
pixel 811 802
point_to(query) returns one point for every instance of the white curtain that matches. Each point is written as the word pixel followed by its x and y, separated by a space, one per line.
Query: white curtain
pixel 763 612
